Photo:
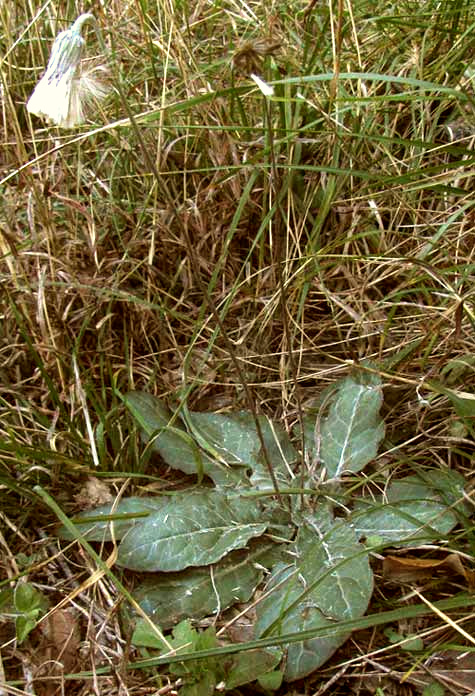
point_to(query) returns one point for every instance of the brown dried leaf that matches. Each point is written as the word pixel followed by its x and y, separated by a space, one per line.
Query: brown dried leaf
pixel 457 668
pixel 60 639
pixel 410 569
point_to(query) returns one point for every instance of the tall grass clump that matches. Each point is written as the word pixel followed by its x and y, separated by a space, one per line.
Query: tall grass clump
pixel 225 250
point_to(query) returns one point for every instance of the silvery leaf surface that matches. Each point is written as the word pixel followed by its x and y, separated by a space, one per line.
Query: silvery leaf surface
pixel 416 509
pixel 235 437
pixel 192 529
pixel 330 580
pixel 198 592
pixel 174 444
pixel 351 432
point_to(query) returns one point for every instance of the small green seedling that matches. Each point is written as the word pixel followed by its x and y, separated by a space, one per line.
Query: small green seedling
pixel 25 605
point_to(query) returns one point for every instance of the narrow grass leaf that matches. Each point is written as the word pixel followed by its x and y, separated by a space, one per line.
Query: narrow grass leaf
pixel 124 516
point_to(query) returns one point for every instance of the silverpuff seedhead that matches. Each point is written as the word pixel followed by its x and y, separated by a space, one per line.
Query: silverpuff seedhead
pixel 68 86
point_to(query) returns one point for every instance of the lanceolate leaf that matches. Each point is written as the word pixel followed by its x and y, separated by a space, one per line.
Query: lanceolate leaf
pixel 330 580
pixel 171 441
pixel 281 454
pixel 234 437
pixel 434 484
pixel 222 446
pixel 222 433
pixel 351 433
pixel 412 509
pixel 198 592
pixel 193 529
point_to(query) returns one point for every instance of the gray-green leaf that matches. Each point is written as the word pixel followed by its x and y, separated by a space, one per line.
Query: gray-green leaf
pixel 198 592
pixel 412 509
pixel 281 454
pixel 234 437
pixel 192 529
pixel 330 580
pixel 351 433
pixel 171 441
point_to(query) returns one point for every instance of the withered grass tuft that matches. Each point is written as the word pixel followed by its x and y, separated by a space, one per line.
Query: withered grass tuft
pixel 220 247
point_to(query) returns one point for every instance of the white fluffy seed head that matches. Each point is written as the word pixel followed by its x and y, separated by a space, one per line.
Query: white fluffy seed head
pixel 66 89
